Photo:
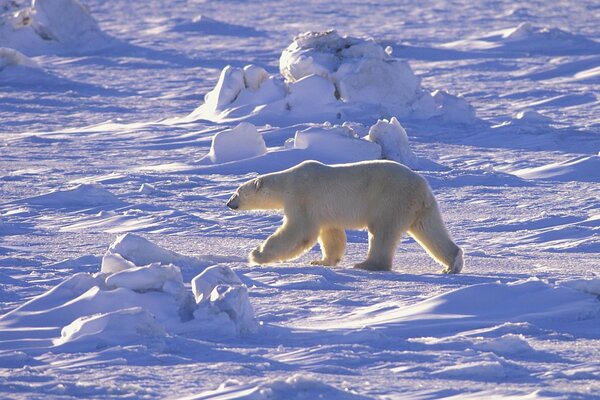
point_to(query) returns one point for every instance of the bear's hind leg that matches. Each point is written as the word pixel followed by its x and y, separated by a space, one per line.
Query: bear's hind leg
pixel 289 241
pixel 383 239
pixel 333 246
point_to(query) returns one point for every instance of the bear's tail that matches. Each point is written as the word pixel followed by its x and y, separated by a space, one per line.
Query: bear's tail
pixel 430 232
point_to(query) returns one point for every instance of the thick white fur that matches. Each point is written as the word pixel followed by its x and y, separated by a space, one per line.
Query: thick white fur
pixel 321 201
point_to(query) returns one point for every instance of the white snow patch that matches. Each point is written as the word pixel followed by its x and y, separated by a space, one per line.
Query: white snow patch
pixel 139 251
pixel 243 141
pixel 335 144
pixel 392 138
pixel 84 195
pixel 204 283
pixel 486 370
pixel 296 387
pixel 11 57
pixel 129 325
pixel 135 303
pixel 153 276
pixel 328 77
pixel 585 168
pixel 49 26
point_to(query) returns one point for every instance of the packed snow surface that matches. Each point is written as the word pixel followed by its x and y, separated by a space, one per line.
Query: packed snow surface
pixel 126 127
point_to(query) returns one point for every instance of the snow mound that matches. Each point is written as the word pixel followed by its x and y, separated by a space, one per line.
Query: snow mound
pixel 139 303
pixel 550 306
pixel 527 38
pixel 335 144
pixel 238 143
pixel 584 169
pixel 392 138
pixel 81 196
pixel 296 387
pixel 131 250
pixel 11 57
pixel 204 283
pixel 219 290
pixel 209 26
pixel 327 77
pixel 49 26
pixel 112 328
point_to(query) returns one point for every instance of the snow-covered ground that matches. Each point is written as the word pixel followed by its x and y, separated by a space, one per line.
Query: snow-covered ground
pixel 125 127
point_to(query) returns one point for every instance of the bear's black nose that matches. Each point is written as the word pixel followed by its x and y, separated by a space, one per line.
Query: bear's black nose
pixel 234 202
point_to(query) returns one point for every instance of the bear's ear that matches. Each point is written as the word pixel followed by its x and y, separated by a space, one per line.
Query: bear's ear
pixel 258 184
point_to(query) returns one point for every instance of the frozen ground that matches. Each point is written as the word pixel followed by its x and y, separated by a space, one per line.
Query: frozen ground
pixel 101 135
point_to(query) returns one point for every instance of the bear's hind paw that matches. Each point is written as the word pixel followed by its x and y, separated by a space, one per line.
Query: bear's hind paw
pixel 369 266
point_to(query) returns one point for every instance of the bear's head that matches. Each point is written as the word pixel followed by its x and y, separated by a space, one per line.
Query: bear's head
pixel 255 195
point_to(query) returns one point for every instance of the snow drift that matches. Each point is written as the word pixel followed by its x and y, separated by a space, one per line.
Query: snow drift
pixel 129 303
pixel 10 57
pixel 527 38
pixel 51 26
pixel 243 148
pixel 328 77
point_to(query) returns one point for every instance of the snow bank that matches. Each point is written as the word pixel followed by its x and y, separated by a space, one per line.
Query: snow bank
pixel 131 250
pixel 327 143
pixel 527 38
pixel 335 144
pixel 130 303
pixel 50 26
pixel 327 77
pixel 392 138
pixel 558 307
pixel 241 142
pixel 84 195
pixel 585 169
pixel 11 57
pixel 295 387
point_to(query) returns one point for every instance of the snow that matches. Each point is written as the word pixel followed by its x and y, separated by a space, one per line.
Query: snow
pixel 124 275
pixel 241 142
pixel 49 26
pixel 392 138
pixel 327 77
pixel 11 57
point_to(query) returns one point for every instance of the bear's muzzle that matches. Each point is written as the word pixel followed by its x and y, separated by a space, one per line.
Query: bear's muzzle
pixel 234 202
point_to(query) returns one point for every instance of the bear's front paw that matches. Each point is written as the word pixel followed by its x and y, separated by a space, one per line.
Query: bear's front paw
pixel 258 257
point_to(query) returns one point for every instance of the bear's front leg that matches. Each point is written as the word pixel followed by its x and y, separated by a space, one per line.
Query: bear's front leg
pixel 289 241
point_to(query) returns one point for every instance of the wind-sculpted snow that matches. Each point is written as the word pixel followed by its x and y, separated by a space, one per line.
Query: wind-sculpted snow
pixel 124 275
pixel 130 303
pixel 51 26
pixel 328 77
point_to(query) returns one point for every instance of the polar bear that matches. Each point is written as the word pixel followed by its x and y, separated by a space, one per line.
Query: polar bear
pixel 321 201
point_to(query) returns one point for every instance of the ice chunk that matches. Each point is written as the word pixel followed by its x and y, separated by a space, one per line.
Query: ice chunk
pixel 10 57
pixel 50 25
pixel 453 108
pixel 204 283
pixel 335 144
pixel 145 278
pixel 229 86
pixel 118 327
pixel 311 93
pixel 327 77
pixel 114 262
pixel 141 251
pixel 241 142
pixel 392 138
pixel 84 195
pixel 219 290
pixel 254 76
